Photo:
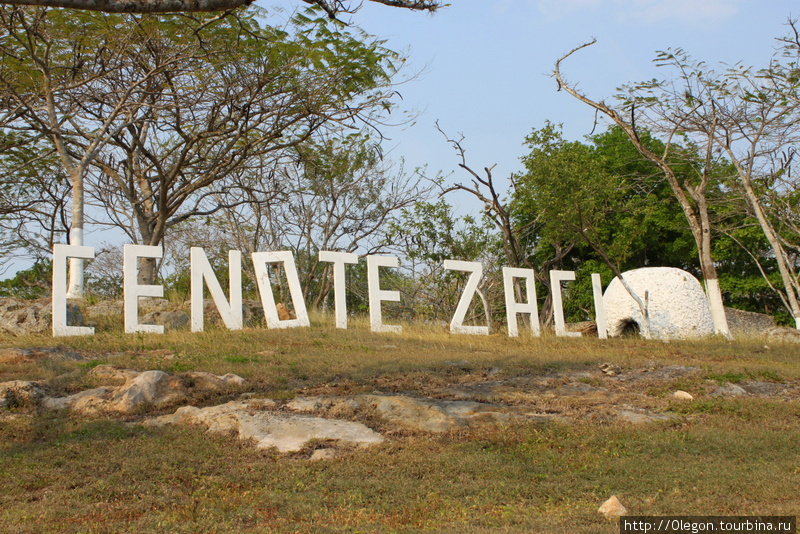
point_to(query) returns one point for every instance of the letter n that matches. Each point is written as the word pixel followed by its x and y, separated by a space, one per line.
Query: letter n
pixel 229 311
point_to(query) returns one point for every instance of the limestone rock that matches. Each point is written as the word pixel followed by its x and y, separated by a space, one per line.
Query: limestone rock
pixel 24 317
pixel 612 508
pixel 139 390
pixel 154 388
pixel 610 369
pixel 17 392
pixel 109 372
pixel 151 304
pixel 209 381
pixel 89 402
pixel 728 390
pixel 253 420
pixel 678 307
pixel 104 309
pixel 745 323
pixel 682 395
pixel 284 314
pixel 169 319
pixel 426 415
pixel 783 334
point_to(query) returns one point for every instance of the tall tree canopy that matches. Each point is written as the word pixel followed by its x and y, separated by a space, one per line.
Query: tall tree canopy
pixel 159 116
pixel 331 7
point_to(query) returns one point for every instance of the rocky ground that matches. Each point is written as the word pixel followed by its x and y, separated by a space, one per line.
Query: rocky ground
pixel 327 417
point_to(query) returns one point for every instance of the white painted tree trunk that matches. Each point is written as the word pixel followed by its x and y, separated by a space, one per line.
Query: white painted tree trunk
pixel 75 287
pixel 717 308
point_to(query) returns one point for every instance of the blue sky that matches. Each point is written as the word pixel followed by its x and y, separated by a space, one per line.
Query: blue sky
pixel 485 64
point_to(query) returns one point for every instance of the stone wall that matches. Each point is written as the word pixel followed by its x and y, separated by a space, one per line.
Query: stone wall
pixel 745 323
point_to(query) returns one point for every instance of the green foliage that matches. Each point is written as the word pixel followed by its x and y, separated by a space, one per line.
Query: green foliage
pixel 430 233
pixel 32 283
pixel 194 101
pixel 596 204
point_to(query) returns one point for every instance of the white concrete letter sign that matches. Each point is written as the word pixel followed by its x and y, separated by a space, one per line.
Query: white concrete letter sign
pixel 339 259
pixel 132 290
pixel 230 312
pixel 475 268
pixel 60 255
pixel 260 261
pixel 556 277
pixel 599 307
pixel 376 294
pixel 513 307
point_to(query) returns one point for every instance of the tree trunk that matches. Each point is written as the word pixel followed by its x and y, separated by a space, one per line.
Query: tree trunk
pixel 75 286
pixel 699 222
pixel 789 283
pixel 148 269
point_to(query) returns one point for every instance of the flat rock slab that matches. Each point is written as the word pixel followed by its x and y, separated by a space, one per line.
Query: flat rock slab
pixel 729 390
pixel 258 421
pixel 764 389
pixel 412 413
pixel 638 416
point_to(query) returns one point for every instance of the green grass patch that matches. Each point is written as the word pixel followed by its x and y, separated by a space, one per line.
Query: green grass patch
pixel 720 456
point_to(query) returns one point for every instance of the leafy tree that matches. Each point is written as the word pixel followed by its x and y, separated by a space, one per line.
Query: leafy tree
pixel 331 7
pixel 32 283
pixel 601 204
pixel 172 113
pixel 51 66
pixel 641 110
pixel 247 94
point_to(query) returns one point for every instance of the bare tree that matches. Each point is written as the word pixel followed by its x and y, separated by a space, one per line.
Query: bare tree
pixel 496 208
pixel 336 193
pixel 34 199
pixel 636 114
pixel 758 128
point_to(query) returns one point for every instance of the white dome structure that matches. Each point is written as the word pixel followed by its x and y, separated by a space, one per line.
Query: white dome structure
pixel 677 305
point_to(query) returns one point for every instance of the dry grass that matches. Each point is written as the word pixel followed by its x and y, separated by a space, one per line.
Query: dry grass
pixel 65 474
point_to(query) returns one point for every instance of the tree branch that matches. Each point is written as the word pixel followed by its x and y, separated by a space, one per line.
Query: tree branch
pixel 331 7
